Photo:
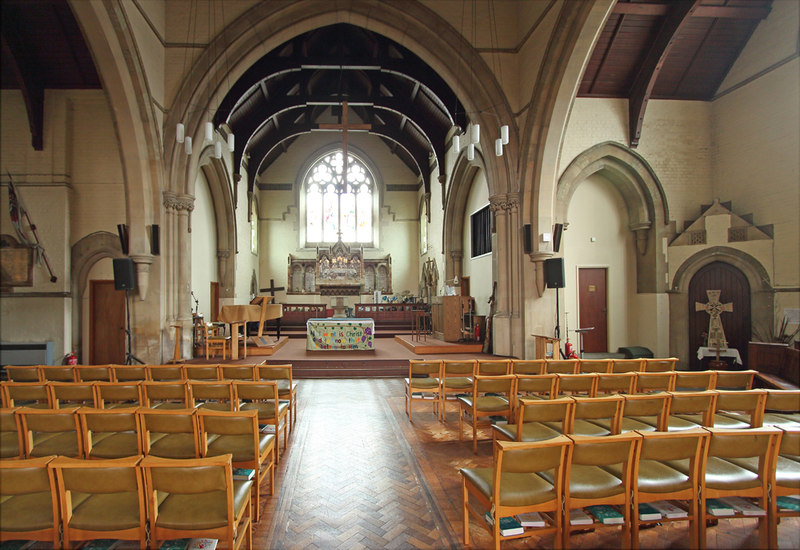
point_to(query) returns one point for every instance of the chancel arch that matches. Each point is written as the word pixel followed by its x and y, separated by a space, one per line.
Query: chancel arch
pixel 219 185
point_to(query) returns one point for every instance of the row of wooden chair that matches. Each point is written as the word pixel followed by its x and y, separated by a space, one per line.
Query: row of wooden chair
pixel 225 395
pixel 556 366
pixel 144 499
pixel 88 433
pixel 165 373
pixel 564 473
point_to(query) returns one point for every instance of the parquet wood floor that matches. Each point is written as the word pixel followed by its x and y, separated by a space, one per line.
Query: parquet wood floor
pixel 357 474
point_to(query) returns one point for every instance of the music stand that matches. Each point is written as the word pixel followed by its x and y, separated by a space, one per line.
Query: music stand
pixel 129 357
pixel 580 332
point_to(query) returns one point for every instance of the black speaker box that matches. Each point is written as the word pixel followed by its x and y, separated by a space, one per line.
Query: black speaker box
pixel 557 230
pixel 123 274
pixel 155 244
pixel 554 272
pixel 122 231
pixel 526 238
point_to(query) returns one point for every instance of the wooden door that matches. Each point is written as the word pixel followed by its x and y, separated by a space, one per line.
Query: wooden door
pixel 465 290
pixel 592 309
pixel 214 305
pixel 736 324
pixel 106 324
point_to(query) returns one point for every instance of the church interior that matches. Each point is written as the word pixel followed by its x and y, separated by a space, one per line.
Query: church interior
pixel 360 205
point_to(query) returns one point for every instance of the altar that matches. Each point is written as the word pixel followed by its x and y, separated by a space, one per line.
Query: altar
pixel 340 334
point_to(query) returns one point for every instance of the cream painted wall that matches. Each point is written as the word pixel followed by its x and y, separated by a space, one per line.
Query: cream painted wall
pixel 147 22
pixel 204 247
pixel 478 269
pixel 246 261
pixel 598 212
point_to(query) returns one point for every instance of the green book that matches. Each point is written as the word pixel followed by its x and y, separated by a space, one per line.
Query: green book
pixel 608 515
pixel 788 503
pixel 243 474
pixel 716 507
pixel 175 544
pixel 509 526
pixel 648 513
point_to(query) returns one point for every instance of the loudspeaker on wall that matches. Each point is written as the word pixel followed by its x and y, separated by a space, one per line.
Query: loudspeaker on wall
pixel 123 274
pixel 122 231
pixel 554 272
pixel 155 244
pixel 557 230
pixel 526 238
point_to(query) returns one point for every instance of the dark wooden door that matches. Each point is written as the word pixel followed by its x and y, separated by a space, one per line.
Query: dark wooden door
pixel 214 302
pixel 736 324
pixel 107 324
pixel 465 290
pixel 592 309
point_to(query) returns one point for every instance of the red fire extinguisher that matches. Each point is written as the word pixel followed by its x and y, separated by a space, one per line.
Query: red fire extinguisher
pixel 71 358
pixel 569 350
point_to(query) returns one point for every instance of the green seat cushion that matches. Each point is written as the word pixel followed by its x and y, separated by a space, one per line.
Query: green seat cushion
pixel 787 473
pixel 486 403
pixel 457 382
pixel 9 445
pixel 423 383
pixel 657 477
pixel 782 420
pixel 265 410
pixel 679 423
pixel 64 444
pixel 173 446
pixel 106 512
pixel 587 427
pixel 732 421
pixel 29 512
pixel 593 482
pixel 115 445
pixel 516 489
pixel 240 446
pixel 724 474
pixel 531 431
pixel 193 511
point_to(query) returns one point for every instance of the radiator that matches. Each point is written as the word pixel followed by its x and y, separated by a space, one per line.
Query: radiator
pixel 26 353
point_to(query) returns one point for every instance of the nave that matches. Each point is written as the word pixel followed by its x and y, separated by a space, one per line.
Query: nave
pixel 357 474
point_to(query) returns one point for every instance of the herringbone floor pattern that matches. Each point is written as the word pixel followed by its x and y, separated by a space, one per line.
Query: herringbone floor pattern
pixel 357 474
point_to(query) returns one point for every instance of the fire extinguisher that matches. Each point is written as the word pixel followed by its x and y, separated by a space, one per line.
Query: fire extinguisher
pixel 569 350
pixel 71 358
pixel 477 333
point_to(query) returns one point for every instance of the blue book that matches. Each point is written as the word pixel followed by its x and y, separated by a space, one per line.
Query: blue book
pixel 509 526
pixel 243 474
pixel 608 515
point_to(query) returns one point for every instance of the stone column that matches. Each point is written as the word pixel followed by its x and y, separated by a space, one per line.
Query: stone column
pixel 178 268
pixel 502 338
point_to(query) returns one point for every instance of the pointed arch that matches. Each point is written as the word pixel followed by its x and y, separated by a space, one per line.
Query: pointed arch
pixel 464 174
pixel 219 185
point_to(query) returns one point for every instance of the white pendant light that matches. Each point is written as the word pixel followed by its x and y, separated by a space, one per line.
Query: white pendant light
pixel 217 150
pixel 187 145
pixel 179 132
pixel 471 151
pixel 231 143
pixel 476 133
pixel 504 133
pixel 209 132
pixel 498 147
pixel 456 143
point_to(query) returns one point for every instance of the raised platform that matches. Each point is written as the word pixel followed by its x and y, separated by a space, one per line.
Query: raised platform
pixel 432 346
pixel 264 350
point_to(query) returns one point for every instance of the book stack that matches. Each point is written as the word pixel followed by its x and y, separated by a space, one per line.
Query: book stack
pixel 605 514
pixel 648 513
pixel 744 507
pixel 243 474
pixel 788 503
pixel 531 519
pixel 669 510
pixel 716 507
pixel 509 526
pixel 578 517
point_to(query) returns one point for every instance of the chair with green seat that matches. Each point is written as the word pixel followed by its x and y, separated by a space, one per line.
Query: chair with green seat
pixel 10 435
pixel 201 372
pixel 164 373
pixel 786 481
pixel 129 373
pixel 688 410
pixel 599 366
pixel 645 412
pixel 456 380
pixel 37 395
pixel 29 509
pixel 659 365
pixel 24 373
pixel 215 395
pixel 738 463
pixel 287 388
pixel 739 380
pixel 490 396
pixel 110 433
pixel 527 366
pixel 48 432
pixel 165 395
pixel 57 373
pixel 114 395
pixel 73 394
pixel 197 498
pixel 423 384
pixel 525 477
pixel 599 471
pixel 170 433
pixel 237 433
pixel 93 373
pixel 615 383
pixel 595 416
pixel 782 409
pixel 694 381
pixel 101 499
pixel 654 382
pixel 668 466
pixel 493 367
pixel 578 385
pixel 530 419
pixel 263 396
pixel 561 366
pixel 739 409
pixel 238 372
pixel 627 365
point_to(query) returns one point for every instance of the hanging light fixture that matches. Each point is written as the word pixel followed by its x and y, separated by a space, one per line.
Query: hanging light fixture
pixel 475 133
pixel 471 151
pixel 456 142
pixel 498 147
pixel 504 134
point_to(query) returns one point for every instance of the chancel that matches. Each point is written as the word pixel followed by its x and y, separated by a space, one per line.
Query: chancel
pixel 405 201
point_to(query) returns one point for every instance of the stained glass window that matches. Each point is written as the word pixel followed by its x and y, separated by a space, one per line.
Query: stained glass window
pixel 335 204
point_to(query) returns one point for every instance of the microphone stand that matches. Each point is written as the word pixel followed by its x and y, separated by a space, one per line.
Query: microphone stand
pixel 129 357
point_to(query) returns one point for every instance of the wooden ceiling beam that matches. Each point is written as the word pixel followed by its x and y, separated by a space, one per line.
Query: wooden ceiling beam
pixel 32 90
pixel 650 68
pixel 661 9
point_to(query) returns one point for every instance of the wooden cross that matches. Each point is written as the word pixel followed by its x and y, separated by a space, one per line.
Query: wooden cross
pixel 714 308
pixel 344 127
pixel 272 288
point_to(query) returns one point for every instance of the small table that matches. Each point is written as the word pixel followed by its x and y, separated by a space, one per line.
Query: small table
pixel 340 334
pixel 703 352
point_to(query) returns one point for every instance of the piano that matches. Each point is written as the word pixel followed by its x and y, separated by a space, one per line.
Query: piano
pixel 260 310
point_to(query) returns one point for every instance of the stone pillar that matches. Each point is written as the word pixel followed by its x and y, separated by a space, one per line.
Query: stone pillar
pixel 501 206
pixel 178 268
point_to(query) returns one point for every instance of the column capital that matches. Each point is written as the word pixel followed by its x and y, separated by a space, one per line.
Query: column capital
pixel 506 202
pixel 178 202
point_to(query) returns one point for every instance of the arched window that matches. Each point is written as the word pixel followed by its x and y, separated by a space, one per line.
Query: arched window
pixel 336 204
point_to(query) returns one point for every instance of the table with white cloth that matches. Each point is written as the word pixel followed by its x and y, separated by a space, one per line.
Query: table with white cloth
pixel 340 334
pixel 703 352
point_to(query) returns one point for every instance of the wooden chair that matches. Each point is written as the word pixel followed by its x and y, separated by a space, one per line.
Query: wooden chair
pixel 110 433
pixel 561 366
pixel 694 381
pixel 170 433
pixel 197 499
pixel 72 394
pixel 93 373
pixel 490 396
pixel 737 463
pixel 599 471
pixel 129 373
pixel 688 410
pixel 287 389
pixel 48 432
pixel 424 383
pixel 735 380
pixel 531 366
pixel 659 365
pixel 263 397
pixel 10 435
pixel 536 420
pixel 627 365
pixel 456 379
pixel 165 373
pixel 24 373
pixel 645 413
pixel 782 409
pixel 59 373
pixel 653 382
pixel 785 482
pixel 535 386
pixel 114 395
pixel 618 382
pixel 739 409
pixel 101 499
pixel 516 484
pixel 165 395
pixel 216 340
pixel 36 395
pixel 237 433
pixel 238 372
pixel 29 500
pixel 493 367
pixel 599 366
pixel 583 385
pixel 656 478
pixel 214 395
pixel 201 372
pixel 595 416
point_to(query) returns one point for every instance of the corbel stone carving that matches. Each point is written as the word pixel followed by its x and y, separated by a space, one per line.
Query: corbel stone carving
pixel 142 262
pixel 642 231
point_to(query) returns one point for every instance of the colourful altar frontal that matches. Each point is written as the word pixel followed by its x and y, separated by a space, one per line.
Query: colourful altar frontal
pixel 340 334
